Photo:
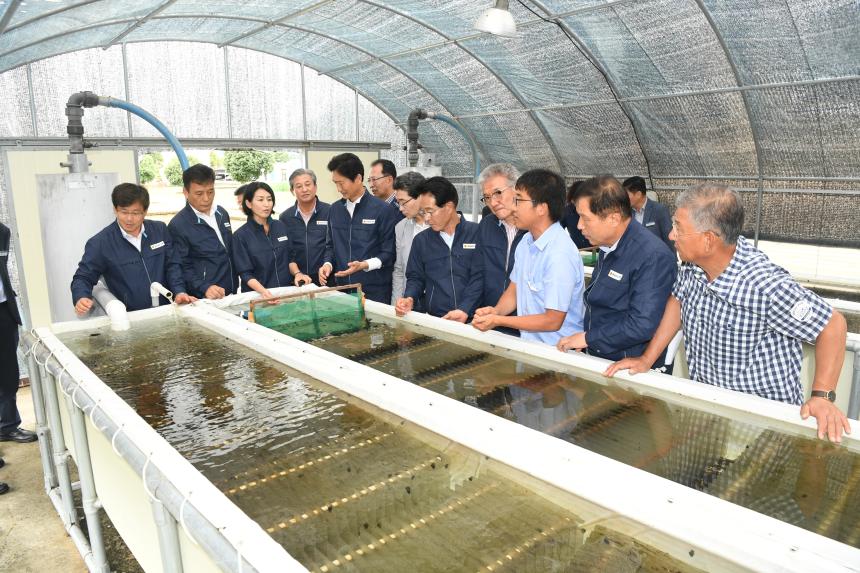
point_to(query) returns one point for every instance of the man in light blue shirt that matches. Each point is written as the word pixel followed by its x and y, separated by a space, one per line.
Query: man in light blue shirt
pixel 547 279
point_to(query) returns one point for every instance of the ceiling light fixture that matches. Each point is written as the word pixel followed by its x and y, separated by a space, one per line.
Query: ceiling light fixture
pixel 498 21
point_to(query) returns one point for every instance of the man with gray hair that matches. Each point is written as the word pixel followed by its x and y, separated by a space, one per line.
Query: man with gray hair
pixel 744 318
pixel 498 236
pixel 307 223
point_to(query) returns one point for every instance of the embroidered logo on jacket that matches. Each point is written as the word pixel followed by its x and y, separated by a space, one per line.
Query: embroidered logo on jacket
pixel 157 245
pixel 615 275
pixel 368 221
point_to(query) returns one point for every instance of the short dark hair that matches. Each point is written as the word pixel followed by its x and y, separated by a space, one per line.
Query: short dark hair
pixel 250 189
pixel 388 167
pixel 409 182
pixel 348 165
pixel 605 195
pixel 544 186
pixel 240 190
pixel 127 194
pixel 635 184
pixel 443 191
pixel 199 174
pixel 571 191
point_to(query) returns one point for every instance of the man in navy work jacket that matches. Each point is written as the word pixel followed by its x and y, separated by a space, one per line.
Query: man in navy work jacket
pixel 652 215
pixel 131 253
pixel 203 237
pixel 360 242
pixel 443 261
pixel 498 235
pixel 381 179
pixel 633 278
pixel 307 224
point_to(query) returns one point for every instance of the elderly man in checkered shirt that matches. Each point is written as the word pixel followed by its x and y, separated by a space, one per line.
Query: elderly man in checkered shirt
pixel 744 318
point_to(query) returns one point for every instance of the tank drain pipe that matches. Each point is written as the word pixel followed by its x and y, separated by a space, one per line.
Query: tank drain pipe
pixel 75 112
pixel 412 136
pixel 112 306
pixel 157 289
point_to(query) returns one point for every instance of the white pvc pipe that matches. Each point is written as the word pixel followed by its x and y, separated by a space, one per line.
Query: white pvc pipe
pixel 112 306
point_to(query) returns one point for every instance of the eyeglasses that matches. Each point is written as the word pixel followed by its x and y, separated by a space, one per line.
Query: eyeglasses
pixel 678 234
pixel 135 214
pixel 518 200
pixel 494 194
pixel 375 179
pixel 423 213
pixel 403 204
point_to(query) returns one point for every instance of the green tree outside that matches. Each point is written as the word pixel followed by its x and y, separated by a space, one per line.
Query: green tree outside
pixel 173 171
pixel 147 168
pixel 248 164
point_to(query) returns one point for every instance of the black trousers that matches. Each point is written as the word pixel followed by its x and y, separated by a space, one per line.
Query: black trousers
pixel 10 419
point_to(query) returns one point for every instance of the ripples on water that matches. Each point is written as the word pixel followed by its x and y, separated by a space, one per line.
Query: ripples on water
pixel 337 486
pixel 806 482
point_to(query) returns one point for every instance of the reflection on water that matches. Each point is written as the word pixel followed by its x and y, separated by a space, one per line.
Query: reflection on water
pixel 338 487
pixel 806 482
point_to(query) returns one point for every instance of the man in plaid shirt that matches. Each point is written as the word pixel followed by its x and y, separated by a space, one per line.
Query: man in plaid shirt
pixel 744 318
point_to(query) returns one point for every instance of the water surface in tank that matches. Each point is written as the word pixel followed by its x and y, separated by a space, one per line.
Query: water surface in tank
pixel 806 482
pixel 340 487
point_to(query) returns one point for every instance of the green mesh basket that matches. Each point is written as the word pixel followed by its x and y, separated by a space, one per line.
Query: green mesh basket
pixel 312 315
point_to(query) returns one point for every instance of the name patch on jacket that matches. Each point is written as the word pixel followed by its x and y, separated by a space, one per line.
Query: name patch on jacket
pixel 468 245
pixel 227 224
pixel 157 245
pixel 282 239
pixel 651 224
pixel 322 222
pixel 368 221
pixel 615 275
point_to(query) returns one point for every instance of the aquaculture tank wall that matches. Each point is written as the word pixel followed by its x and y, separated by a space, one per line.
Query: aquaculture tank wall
pixel 219 444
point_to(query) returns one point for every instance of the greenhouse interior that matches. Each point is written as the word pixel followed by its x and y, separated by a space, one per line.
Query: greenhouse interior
pixel 430 285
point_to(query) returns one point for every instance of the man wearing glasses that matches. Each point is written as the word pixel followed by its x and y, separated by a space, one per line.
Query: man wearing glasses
pixel 498 234
pixel 131 253
pixel 406 191
pixel 547 278
pixel 381 179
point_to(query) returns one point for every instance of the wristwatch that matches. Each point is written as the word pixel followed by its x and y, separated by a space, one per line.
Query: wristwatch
pixel 829 394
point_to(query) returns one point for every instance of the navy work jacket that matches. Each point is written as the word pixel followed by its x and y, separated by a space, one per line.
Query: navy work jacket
pixel 128 272
pixel 263 257
pixel 445 279
pixel 369 233
pixel 205 261
pixel 308 241
pixel 496 262
pixel 627 296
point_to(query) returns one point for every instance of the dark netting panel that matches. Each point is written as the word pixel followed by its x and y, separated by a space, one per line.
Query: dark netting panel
pixel 198 69
pixel 67 43
pixel 96 70
pixel 774 42
pixel 265 95
pixel 16 120
pixel 648 48
pixel 697 135
pixel 594 139
pixel 512 138
pixel 265 10
pixel 314 50
pixel 809 131
pixel 457 80
pixel 216 30
pixel 542 66
pixel 374 29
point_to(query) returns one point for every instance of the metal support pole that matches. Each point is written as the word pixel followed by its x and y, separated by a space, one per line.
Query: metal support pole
pixel 48 470
pixel 304 107
pixel 88 486
pixel 32 102
pixel 127 91
pixel 168 537
pixel 61 454
pixel 227 93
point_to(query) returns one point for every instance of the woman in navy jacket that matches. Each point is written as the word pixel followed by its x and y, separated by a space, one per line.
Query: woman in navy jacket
pixel 261 247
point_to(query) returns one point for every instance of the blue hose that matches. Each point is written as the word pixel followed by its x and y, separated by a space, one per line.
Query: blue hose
pixel 152 120
pixel 468 137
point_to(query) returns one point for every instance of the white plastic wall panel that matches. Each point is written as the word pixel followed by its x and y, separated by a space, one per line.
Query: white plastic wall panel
pixel 265 95
pixel 196 103
pixel 95 70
